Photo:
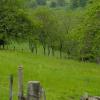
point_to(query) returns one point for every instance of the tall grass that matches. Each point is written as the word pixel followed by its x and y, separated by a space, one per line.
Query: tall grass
pixel 61 79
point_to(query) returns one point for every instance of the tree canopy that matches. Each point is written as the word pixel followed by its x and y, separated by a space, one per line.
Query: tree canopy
pixel 72 27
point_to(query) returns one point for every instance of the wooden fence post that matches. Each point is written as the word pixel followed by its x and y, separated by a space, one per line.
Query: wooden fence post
pixel 33 90
pixel 20 83
pixel 11 87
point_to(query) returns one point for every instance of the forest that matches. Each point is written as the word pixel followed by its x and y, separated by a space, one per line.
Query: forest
pixel 49 49
pixel 71 27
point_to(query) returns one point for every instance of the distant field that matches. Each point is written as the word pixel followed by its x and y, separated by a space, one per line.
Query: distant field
pixel 62 79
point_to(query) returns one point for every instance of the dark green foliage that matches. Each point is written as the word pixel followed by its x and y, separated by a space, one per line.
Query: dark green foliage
pixel 78 3
pixel 74 4
pixel 53 4
pixel 61 3
pixel 41 2
pixel 91 33
pixel 14 23
pixel 31 4
pixel 83 3
pixel 75 33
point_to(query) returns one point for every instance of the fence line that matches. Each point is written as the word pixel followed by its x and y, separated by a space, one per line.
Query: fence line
pixel 34 90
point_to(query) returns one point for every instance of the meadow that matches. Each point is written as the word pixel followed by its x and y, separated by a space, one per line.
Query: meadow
pixel 62 79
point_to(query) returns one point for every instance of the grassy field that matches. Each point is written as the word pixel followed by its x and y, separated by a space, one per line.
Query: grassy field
pixel 62 79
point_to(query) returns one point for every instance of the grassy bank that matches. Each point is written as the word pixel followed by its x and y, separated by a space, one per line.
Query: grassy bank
pixel 62 79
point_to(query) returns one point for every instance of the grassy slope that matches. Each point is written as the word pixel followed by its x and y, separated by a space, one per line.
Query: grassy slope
pixel 62 79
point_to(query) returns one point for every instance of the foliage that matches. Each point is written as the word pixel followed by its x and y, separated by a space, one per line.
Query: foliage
pixel 41 2
pixel 74 32
pixel 87 32
pixel 14 22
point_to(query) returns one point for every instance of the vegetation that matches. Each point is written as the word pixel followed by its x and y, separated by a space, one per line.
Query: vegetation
pixel 61 79
pixel 68 27
pixel 74 31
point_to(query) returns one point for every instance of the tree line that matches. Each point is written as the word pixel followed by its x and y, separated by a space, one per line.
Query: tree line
pixel 74 32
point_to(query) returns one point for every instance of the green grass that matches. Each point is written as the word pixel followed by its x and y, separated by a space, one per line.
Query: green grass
pixel 62 79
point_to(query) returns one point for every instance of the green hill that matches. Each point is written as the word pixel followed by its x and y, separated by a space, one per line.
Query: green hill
pixel 62 79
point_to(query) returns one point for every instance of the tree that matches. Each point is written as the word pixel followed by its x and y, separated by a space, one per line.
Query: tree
pixel 61 2
pixel 53 4
pixel 14 22
pixel 90 46
pixel 83 3
pixel 31 4
pixel 74 4
pixel 45 19
pixel 41 2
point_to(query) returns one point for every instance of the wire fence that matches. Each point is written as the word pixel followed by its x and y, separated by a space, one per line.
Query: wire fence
pixel 19 90
pixel 5 88
pixel 73 92
pixel 51 92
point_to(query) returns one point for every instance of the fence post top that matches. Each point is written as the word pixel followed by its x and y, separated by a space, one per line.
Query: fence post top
pixel 20 67
pixel 34 82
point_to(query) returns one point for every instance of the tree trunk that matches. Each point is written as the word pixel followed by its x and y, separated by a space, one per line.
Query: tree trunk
pixel 53 52
pixel 3 46
pixel 48 50
pixel 44 50
pixel 36 49
pixel 61 45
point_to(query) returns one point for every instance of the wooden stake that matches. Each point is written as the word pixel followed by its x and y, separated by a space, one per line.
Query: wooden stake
pixel 11 87
pixel 33 90
pixel 20 83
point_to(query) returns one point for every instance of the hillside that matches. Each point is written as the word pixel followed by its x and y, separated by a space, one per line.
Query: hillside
pixel 56 42
pixel 62 79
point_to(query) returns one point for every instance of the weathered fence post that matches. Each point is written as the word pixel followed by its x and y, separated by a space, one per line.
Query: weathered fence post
pixel 33 90
pixel 11 87
pixel 20 83
pixel 88 97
